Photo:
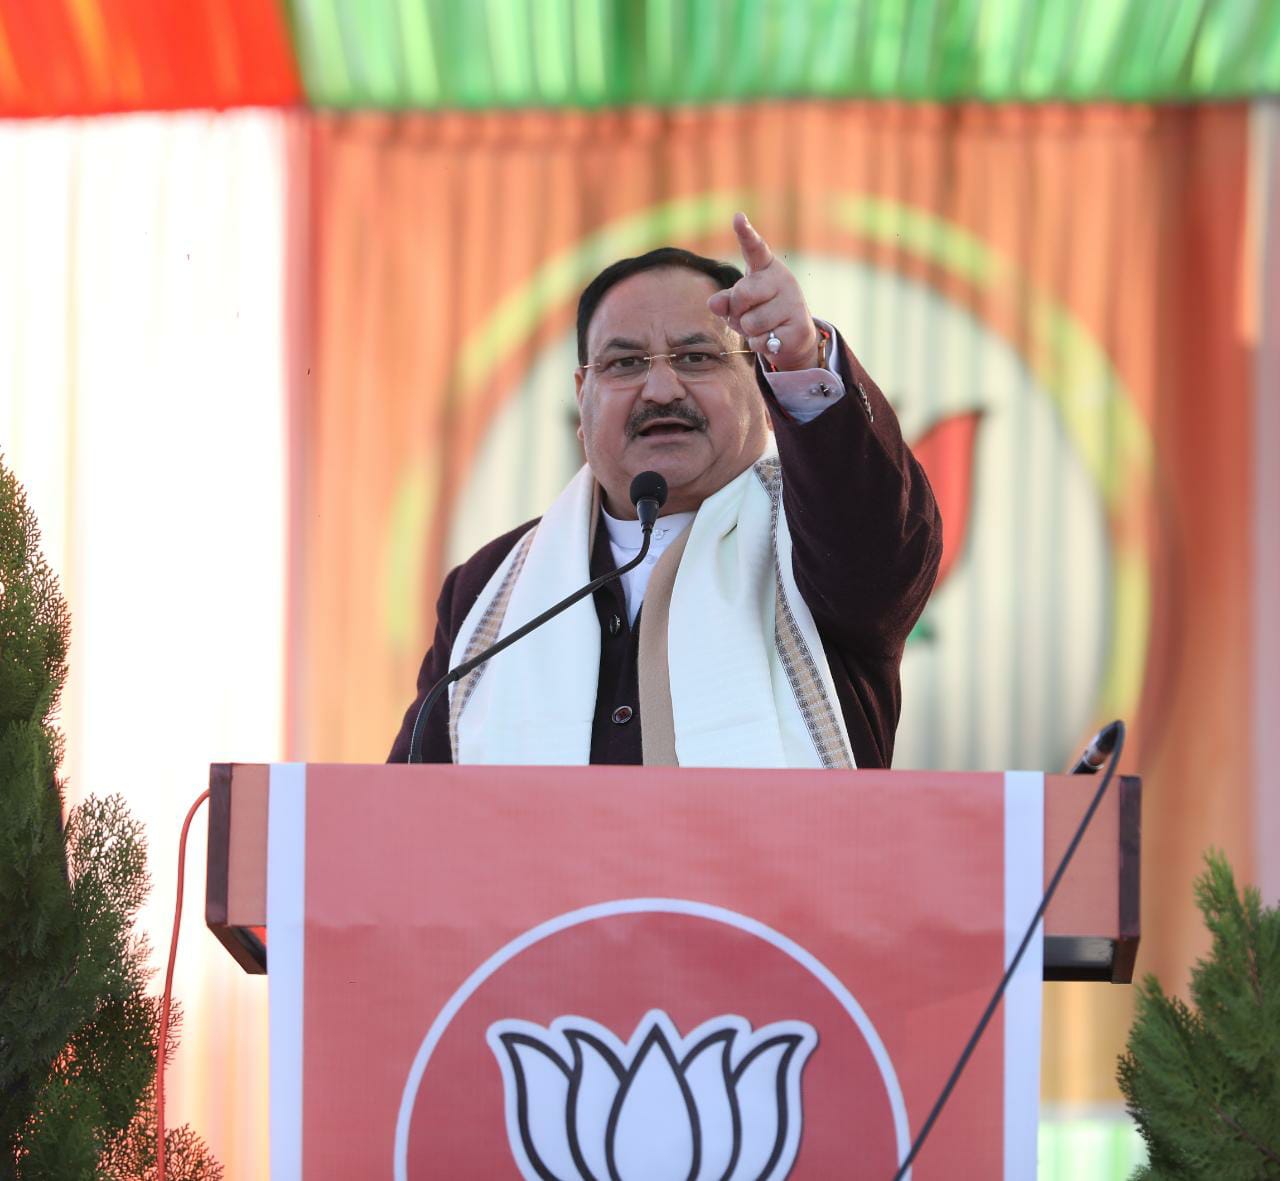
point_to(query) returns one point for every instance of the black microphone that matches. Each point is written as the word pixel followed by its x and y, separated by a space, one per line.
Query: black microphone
pixel 648 494
pixel 1095 754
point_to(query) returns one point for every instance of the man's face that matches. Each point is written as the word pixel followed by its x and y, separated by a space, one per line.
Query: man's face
pixel 698 433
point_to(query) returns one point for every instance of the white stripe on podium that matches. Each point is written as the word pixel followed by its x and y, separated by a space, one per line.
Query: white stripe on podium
pixel 1023 888
pixel 286 910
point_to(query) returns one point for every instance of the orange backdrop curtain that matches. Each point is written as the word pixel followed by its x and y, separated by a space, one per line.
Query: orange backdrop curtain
pixel 1054 298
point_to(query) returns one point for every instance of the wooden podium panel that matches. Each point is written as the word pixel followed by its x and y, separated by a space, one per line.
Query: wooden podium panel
pixel 1091 927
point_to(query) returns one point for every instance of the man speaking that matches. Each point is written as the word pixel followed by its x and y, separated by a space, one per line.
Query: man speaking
pixel 796 548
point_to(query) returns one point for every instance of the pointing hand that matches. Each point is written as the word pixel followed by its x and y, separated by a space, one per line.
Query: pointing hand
pixel 767 302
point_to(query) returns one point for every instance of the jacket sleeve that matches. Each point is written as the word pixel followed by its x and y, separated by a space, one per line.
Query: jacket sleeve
pixel 865 528
pixel 435 739
pixel 458 595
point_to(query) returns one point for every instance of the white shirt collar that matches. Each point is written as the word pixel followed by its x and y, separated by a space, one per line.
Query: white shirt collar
pixel 627 535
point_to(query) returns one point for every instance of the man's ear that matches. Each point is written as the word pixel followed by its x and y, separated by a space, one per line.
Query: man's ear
pixel 579 376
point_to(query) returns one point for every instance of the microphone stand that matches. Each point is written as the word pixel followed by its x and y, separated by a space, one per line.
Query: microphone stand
pixel 1113 738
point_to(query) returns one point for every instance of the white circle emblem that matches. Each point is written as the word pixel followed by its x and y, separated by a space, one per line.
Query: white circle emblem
pixel 624 906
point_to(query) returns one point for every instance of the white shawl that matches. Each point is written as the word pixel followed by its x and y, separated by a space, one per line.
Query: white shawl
pixel 732 671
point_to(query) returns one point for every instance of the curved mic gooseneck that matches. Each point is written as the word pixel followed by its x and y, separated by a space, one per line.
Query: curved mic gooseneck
pixel 648 494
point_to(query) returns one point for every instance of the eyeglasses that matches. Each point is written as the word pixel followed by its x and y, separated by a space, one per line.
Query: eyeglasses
pixel 632 369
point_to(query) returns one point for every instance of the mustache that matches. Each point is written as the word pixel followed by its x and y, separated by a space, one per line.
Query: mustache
pixel 652 413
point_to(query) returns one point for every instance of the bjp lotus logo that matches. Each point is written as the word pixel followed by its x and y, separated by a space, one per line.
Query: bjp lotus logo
pixel 721 1104
pixel 683 1072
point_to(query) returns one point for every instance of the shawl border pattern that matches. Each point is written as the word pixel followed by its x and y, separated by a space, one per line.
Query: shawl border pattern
pixel 486 634
pixel 798 661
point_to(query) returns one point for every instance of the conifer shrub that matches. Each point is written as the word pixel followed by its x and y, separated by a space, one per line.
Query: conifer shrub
pixel 1202 1081
pixel 78 1029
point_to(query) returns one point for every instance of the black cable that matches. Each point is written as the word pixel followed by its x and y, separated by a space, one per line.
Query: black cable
pixel 994 1003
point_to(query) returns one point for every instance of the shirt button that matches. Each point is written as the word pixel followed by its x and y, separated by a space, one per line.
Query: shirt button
pixel 622 715
pixel 615 625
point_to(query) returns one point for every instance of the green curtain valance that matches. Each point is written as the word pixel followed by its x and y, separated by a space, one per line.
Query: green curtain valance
pixel 475 54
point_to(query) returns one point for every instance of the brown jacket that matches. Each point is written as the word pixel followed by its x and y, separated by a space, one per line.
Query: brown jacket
pixel 867 540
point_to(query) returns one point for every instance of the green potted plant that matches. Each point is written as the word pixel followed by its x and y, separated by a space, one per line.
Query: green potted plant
pixel 1202 1081
pixel 78 1028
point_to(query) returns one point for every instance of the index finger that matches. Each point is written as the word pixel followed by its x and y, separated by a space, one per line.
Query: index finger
pixel 755 250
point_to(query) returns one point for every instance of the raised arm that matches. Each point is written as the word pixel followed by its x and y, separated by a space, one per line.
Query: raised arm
pixel 865 528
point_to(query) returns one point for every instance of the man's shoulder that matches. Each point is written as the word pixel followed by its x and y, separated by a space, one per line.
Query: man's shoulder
pixel 489 556
pixel 465 582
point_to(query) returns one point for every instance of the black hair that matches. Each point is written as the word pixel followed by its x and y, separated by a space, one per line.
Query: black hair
pixel 722 274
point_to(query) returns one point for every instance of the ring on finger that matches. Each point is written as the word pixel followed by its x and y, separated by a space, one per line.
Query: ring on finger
pixel 773 344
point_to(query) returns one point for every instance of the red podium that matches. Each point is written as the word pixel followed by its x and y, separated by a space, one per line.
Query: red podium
pixel 610 973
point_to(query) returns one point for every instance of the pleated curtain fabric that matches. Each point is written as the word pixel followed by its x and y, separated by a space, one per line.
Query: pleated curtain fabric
pixel 1051 296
